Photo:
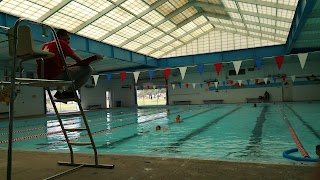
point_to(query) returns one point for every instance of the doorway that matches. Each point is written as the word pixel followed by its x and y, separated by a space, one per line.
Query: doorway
pixel 108 99
pixel 147 97
pixel 287 91
pixel 70 106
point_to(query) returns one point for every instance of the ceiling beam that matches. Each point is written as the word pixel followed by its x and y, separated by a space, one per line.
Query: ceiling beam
pixel 269 4
pixel 53 10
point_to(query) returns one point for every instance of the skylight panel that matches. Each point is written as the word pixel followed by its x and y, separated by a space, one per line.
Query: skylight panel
pixel 158 54
pixel 288 2
pixel 283 24
pixel 273 1
pixel 186 38
pixel 127 32
pixel 45 3
pixel 135 6
pixel 78 11
pixel 166 39
pixel 92 32
pixel 254 33
pixel 282 32
pixel 230 28
pixel 197 32
pixel 146 50
pixel 62 21
pixel 200 20
pixel 144 39
pixel 225 21
pixel 166 26
pixel 95 5
pixel 178 32
pixel 115 39
pixel 235 15
pixel 156 44
pixel 218 26
pixel 139 25
pixel 25 9
pixel 250 18
pixel 166 8
pixel 154 33
pixel 189 26
pixel 229 4
pixel 238 24
pixel 247 7
pixel 132 45
pixel 267 36
pixel 268 21
pixel 285 13
pixel 266 10
pixel 211 1
pixel 207 27
pixel 167 48
pixel 178 3
pixel 280 39
pixel 253 26
pixel 106 23
pixel 153 17
pixel 176 43
pixel 268 29
pixel 242 31
pixel 213 19
pixel 189 12
pixel 119 15
pixel 150 1
pixel 178 18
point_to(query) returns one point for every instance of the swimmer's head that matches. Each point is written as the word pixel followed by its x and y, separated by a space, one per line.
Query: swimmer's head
pixel 158 128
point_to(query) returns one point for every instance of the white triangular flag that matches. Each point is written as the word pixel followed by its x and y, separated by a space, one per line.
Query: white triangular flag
pixel 136 87
pixel 293 77
pixel 302 58
pixel 154 86
pixel 136 76
pixel 194 85
pixel 173 86
pixel 237 65
pixel 265 80
pixel 216 85
pixel 183 71
pixel 2 86
pixel 95 79
pixel 240 82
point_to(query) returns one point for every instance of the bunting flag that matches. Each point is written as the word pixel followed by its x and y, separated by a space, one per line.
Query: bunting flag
pixel 173 86
pixel 274 79
pixel 284 78
pixel 257 81
pixel 130 87
pixel 200 68
pixel 248 81
pixel 160 87
pixel 187 85
pixel 183 71
pixel 194 85
pixel 136 87
pixel 231 82
pixel 208 84
pixel 239 82
pixel 122 75
pixel 258 63
pixel 166 87
pixel 148 87
pixel 303 58
pixel 166 73
pixel 223 83
pixel 150 72
pixel 141 87
pixel 201 85
pixel 95 79
pixel 265 80
pixel 237 65
pixel 218 67
pixel 293 77
pixel 279 60
pixel 216 85
pixel 154 86
pixel 136 76
pixel 109 77
pixel 180 85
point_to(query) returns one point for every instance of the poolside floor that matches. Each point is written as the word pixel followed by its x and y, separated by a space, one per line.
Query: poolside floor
pixel 39 165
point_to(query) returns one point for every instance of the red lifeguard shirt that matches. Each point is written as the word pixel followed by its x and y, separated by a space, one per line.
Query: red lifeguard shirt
pixel 53 66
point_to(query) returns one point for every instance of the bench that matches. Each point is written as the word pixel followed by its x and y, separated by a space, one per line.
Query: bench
pixel 217 101
pixel 254 100
pixel 181 102
pixel 94 107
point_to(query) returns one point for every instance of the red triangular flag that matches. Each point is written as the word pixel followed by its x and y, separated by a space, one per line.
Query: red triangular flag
pixel 167 87
pixel 122 75
pixel 284 77
pixel 231 82
pixel 257 81
pixel 218 67
pixel 166 73
pixel 130 87
pixel 187 85
pixel 148 87
pixel 208 84
pixel 279 60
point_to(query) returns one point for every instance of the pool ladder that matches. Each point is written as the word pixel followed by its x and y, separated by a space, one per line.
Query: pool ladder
pixel 21 49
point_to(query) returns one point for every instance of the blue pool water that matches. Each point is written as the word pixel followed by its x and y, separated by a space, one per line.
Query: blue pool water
pixel 224 132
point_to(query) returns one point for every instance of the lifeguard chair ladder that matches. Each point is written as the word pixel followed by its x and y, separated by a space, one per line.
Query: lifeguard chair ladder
pixel 21 48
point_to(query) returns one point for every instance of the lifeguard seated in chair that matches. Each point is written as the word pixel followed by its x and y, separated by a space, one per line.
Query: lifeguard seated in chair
pixel 54 68
pixel 265 97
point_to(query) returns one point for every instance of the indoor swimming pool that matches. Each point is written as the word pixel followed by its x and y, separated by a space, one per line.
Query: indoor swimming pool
pixel 235 132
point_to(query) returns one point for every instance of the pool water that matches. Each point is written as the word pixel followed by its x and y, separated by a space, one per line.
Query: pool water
pixel 225 132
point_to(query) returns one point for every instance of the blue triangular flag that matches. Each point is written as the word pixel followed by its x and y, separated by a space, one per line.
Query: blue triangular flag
pixel 160 86
pixel 150 74
pixel 200 68
pixel 258 63
pixel 142 87
pixel 109 76
pixel 224 83
pixel 201 85
pixel 180 85
pixel 274 79
pixel 248 81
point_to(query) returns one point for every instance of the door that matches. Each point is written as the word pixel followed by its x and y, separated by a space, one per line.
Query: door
pixel 287 91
